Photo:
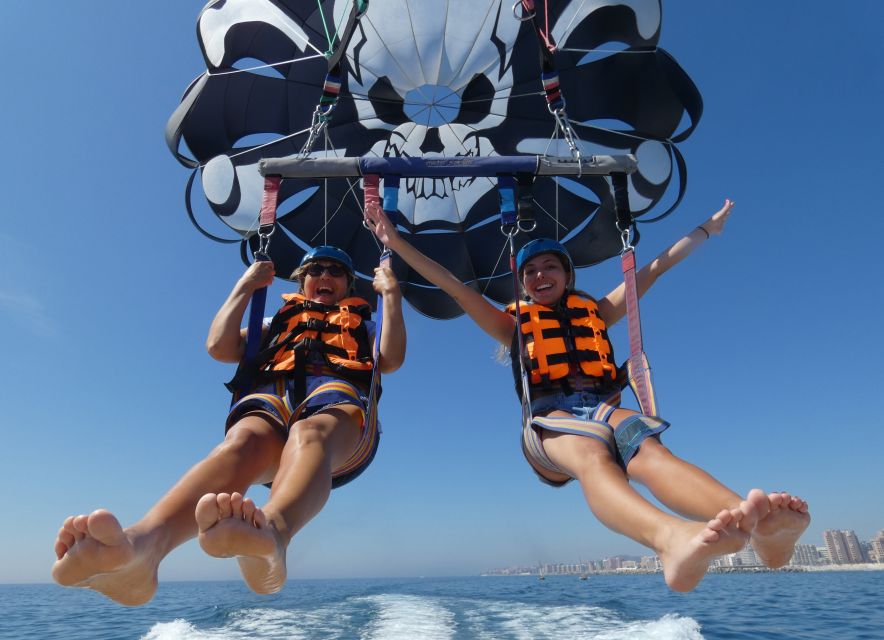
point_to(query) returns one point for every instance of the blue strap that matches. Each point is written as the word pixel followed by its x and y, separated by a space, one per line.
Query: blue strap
pixel 506 189
pixel 383 261
pixel 391 195
pixel 256 317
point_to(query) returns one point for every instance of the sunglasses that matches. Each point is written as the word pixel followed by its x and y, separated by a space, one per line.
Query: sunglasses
pixel 334 270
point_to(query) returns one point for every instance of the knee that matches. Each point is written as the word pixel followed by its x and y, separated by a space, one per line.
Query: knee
pixel 651 454
pixel 245 443
pixel 593 458
pixel 305 433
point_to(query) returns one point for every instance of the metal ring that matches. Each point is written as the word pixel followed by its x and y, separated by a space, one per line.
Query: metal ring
pixel 514 229
pixel 525 227
pixel 524 18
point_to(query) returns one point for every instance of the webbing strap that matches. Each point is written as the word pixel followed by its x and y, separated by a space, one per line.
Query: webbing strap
pixel 358 9
pixel 520 340
pixel 546 47
pixel 371 195
pixel 242 382
pixel 637 366
pixel 269 203
pixel 506 190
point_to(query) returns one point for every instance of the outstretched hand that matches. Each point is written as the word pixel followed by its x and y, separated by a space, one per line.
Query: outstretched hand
pixel 715 224
pixel 379 224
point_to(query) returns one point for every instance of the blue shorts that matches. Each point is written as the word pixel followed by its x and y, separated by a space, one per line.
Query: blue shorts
pixel 275 402
pixel 590 412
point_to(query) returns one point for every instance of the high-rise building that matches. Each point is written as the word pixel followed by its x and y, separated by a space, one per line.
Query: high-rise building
pixel 746 557
pixel 878 548
pixel 837 546
pixel 806 555
pixel 844 547
pixel 854 548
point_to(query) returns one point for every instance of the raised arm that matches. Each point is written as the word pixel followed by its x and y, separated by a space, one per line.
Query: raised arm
pixel 392 345
pixel 613 306
pixel 226 340
pixel 495 322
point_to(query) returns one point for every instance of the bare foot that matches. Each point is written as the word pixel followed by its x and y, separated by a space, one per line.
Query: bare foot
pixel 232 526
pixel 754 508
pixel 95 553
pixel 693 545
pixel 776 534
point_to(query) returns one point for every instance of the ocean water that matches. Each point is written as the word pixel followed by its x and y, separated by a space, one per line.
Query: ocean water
pixel 842 605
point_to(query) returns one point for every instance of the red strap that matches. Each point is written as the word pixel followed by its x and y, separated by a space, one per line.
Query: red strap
pixel 371 188
pixel 269 200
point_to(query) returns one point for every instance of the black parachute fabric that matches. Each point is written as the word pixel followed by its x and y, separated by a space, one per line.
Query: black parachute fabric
pixel 431 78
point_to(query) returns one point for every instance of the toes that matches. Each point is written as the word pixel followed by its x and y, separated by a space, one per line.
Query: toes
pixel 206 512
pixel 709 535
pixel 259 519
pixel 778 499
pixel 236 506
pixel 726 517
pixel 105 528
pixel 224 510
pixel 248 510
pixel 66 537
pixel 79 526
pixel 760 501
pixel 63 543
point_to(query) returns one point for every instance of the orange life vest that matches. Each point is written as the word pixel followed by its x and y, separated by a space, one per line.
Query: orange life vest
pixel 569 340
pixel 303 327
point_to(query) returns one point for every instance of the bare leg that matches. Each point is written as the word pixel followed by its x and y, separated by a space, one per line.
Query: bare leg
pixel 775 537
pixel 680 485
pixel 95 552
pixel 301 487
pixel 685 547
pixel 690 491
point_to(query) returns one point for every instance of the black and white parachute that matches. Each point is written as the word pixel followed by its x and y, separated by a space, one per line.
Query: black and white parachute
pixel 431 78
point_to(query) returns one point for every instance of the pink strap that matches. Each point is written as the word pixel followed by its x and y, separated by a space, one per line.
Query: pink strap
pixel 269 200
pixel 638 368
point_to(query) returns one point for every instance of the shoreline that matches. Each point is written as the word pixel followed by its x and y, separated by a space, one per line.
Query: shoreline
pixel 721 570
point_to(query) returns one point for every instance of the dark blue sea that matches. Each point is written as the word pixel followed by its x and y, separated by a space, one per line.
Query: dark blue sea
pixel 842 605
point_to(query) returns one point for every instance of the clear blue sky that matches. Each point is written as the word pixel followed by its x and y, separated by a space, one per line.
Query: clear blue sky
pixel 764 342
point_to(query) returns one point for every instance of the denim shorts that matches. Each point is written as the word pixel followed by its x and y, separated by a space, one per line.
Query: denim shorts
pixel 590 411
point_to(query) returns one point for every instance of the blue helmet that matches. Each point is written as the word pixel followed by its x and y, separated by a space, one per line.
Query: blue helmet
pixel 545 245
pixel 327 252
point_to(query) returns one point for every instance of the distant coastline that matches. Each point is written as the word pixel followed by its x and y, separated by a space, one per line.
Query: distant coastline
pixel 738 569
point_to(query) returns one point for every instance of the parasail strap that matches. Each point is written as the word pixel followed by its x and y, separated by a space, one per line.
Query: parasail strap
pixel 371 194
pixel 638 369
pixel 511 223
pixel 242 381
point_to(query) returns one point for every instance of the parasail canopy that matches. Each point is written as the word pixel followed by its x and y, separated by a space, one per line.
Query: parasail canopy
pixel 429 79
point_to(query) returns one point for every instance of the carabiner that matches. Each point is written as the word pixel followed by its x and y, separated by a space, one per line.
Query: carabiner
pixel 523 18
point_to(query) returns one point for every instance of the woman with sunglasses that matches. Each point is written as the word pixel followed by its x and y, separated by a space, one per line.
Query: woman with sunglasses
pixel 302 427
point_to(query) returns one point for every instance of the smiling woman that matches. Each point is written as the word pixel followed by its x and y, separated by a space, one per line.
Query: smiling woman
pixel 576 429
pixel 304 425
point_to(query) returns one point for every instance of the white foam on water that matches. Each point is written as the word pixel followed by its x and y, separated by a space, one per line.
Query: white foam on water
pixel 407 617
pixel 263 623
pixel 519 621
pixel 176 630
pixel 401 617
